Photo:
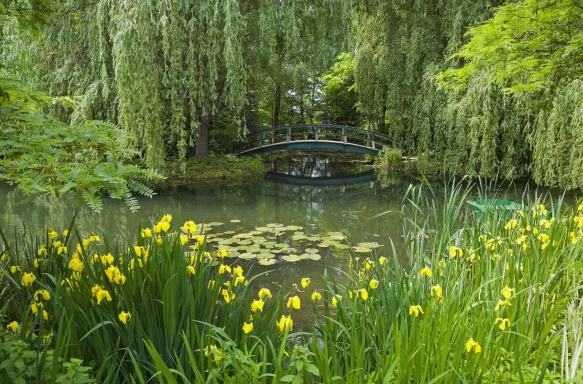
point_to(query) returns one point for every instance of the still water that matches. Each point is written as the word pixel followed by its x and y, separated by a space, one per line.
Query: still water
pixel 320 195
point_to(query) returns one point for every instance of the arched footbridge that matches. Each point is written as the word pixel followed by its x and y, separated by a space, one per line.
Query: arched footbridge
pixel 314 136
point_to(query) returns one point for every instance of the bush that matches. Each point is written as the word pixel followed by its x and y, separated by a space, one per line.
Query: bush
pixel 390 158
pixel 22 364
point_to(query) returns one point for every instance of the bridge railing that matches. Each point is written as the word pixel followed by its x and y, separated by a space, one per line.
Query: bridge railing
pixel 316 132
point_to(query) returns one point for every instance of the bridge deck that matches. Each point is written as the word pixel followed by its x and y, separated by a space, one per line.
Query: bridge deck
pixel 310 144
pixel 315 136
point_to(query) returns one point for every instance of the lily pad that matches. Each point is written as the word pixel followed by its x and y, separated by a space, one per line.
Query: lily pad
pixel 247 256
pixel 274 225
pixel 311 250
pixel 291 258
pixel 267 262
pixel 310 256
pixel 214 224
pixel 371 245
pixel 362 249
pixel 323 245
pixel 235 221
pixel 263 229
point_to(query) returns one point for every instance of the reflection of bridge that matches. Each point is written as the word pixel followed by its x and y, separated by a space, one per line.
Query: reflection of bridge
pixel 320 181
pixel 315 136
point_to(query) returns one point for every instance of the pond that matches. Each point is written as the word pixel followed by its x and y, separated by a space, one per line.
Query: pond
pixel 289 224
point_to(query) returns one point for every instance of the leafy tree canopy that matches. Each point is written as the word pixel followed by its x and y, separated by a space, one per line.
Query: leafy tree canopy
pixel 528 46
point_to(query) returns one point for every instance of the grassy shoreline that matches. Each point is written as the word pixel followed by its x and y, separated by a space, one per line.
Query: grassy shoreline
pixel 214 168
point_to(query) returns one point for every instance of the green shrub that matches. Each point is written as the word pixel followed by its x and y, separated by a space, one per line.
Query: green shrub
pixel 424 166
pixel 390 158
pixel 22 364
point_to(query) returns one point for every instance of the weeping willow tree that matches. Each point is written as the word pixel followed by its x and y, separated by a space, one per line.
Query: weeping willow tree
pixel 169 71
pixel 401 47
pixel 532 52
pixel 490 88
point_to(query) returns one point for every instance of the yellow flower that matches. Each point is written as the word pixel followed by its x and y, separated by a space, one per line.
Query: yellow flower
pixel 166 218
pixel 35 307
pixel 42 293
pixel 217 355
pixel 363 294
pixel 158 228
pixel 437 291
pixel 159 240
pixel 45 315
pixel 57 244
pixel 13 326
pixel 368 263
pixel 28 279
pixel 522 241
pixel 507 292
pixel 502 303
pixel 36 264
pixel 305 282
pixel 124 317
pixel 53 234
pixel 264 292
pixel 382 260
pixel 504 323
pixel 66 233
pixel 511 224
pixel 100 293
pixel 316 296
pixel 41 250
pixel 374 284
pixel 285 323
pixel 426 272
pixel 455 251
pixel 257 305
pixel 94 238
pixel 222 253
pixel 247 328
pixel 415 310
pixel 293 302
pixel 238 271
pixel 189 227
pixel 191 269
pixel 199 239
pixel 335 301
pixel 224 268
pixel 227 296
pixel 472 345
pixel 147 232
pixel 183 239
pixel 114 275
pixel 61 250
pixel 108 259
pixel 76 265
pixel 239 280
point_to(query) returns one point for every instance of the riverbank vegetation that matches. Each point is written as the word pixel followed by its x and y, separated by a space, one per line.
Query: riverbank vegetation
pixel 482 298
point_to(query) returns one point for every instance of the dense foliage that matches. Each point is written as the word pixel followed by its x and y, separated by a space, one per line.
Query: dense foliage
pixel 488 88
pixel 491 298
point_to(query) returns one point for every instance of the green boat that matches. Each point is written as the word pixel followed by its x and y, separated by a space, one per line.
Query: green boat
pixel 508 207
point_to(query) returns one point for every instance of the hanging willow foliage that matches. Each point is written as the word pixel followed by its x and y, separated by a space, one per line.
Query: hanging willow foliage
pixel 163 70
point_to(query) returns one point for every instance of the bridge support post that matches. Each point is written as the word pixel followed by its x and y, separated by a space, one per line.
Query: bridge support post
pixel 288 138
pixel 261 138
pixel 317 129
pixel 344 139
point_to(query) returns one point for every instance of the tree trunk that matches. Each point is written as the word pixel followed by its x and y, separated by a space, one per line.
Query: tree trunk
pixel 276 106
pixel 202 137
pixel 382 125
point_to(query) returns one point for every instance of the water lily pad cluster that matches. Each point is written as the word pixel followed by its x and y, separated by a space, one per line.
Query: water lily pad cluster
pixel 275 242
